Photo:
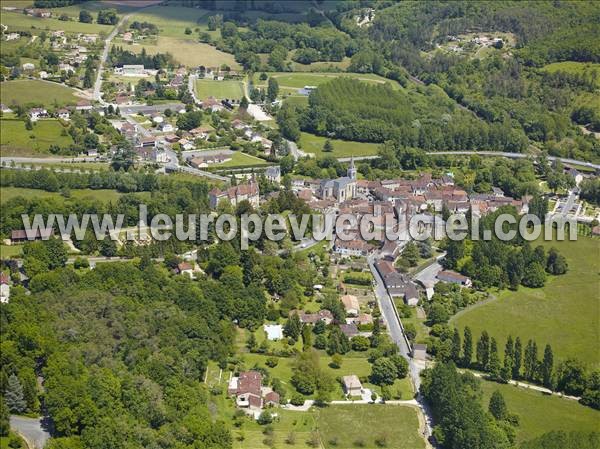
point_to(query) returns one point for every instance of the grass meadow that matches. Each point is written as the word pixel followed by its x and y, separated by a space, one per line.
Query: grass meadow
pixel 311 143
pixel 565 313
pixel 16 140
pixel 219 89
pixel 36 92
pixel 540 413
pixel 19 21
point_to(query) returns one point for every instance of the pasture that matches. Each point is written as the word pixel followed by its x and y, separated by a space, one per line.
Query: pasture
pixel 219 89
pixel 565 313
pixel 291 80
pixel 16 140
pixel 540 413
pixel 36 92
pixel 19 21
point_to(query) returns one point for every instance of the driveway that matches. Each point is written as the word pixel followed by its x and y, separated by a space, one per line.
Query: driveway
pixel 31 429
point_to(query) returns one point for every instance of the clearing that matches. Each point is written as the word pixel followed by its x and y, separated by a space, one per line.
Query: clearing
pixel 36 92
pixel 540 413
pixel 565 313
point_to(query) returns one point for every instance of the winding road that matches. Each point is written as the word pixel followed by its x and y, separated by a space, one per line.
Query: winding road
pixel 32 430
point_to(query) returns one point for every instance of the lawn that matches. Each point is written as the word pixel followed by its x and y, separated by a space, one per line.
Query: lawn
pixel 6 251
pixel 188 51
pixel 36 92
pixel 104 195
pixel 19 21
pixel 173 20
pixel 539 413
pixel 300 79
pixel 564 313
pixel 16 140
pixel 219 89
pixel 239 159
pixel 347 426
pixel 311 143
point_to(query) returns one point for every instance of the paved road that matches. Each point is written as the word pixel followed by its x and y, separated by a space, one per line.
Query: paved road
pixel 515 156
pixel 98 83
pixel 428 275
pixel 31 429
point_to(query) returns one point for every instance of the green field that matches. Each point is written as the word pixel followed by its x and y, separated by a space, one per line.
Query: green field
pixel 301 79
pixel 341 148
pixel 219 89
pixel 239 159
pixel 6 252
pixel 19 21
pixel 564 313
pixel 104 195
pixel 16 140
pixel 540 413
pixel 188 52
pixel 36 92
pixel 173 20
pixel 347 426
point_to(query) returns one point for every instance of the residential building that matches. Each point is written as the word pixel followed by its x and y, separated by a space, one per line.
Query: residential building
pixel 349 330
pixel 397 284
pixel 236 194
pixel 312 318
pixel 273 174
pixel 274 331
pixel 419 351
pixel 351 305
pixel 355 247
pixel 63 114
pixel 20 235
pixel 36 113
pixel 249 392
pixel 454 277
pixel 4 288
pixel 352 385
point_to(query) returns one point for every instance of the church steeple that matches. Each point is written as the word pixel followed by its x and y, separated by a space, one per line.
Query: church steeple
pixel 352 169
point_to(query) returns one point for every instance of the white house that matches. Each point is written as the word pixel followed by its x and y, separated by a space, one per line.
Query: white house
pixel 63 114
pixel 166 127
pixel 28 66
pixel 274 331
pixel 4 288
pixel 37 113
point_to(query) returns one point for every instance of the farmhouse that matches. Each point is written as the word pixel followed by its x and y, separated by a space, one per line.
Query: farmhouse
pixel 249 392
pixel 397 284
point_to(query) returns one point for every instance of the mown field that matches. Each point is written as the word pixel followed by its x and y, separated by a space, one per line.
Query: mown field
pixel 540 413
pixel 564 313
pixel 104 195
pixel 16 140
pixel 239 159
pixel 19 21
pixel 341 148
pixel 36 92
pixel 300 79
pixel 219 89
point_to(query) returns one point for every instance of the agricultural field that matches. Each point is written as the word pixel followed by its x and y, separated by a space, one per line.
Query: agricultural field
pixel 219 89
pixel 188 52
pixel 16 140
pixel 173 20
pixel 298 80
pixel 540 413
pixel 565 313
pixel 341 148
pixel 19 21
pixel 36 92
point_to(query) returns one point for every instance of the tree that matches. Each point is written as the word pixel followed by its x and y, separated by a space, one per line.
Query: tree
pixel 336 361
pixel 287 119
pixel 411 254
pixel 108 247
pixel 4 418
pixel 454 252
pixel 85 16
pixel 517 358
pixel 497 406
pixel 383 372
pixel 265 418
pixel 547 367
pixel 556 263
pixel 494 360
pixel 467 347
pixel 272 89
pixel 483 351
pixel 327 146
pixel 338 342
pixel 455 353
pixel 188 30
pixel 14 397
pixel 28 124
pixel 530 361
pixel 509 354
pixel 401 365
pixel 244 103
pixel 293 327
pixel 535 275
pixel 571 377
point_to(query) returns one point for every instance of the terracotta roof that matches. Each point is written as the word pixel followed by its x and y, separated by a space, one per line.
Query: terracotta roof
pixel 250 382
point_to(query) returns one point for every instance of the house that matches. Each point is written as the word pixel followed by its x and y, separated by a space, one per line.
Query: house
pixel 28 66
pixel 454 277
pixel 249 392
pixel 43 74
pixel 419 351
pixel 20 235
pixel 5 109
pixel 312 318
pixel 12 36
pixel 498 192
pixel 63 114
pixel 236 194
pixel 274 331
pixel 166 127
pixel 4 288
pixel 356 247
pixel 352 385
pixel 362 319
pixel 351 305
pixel 397 284
pixel 349 330
pixel 37 113
pixel 273 174
pixel 92 152
pixel 186 269
pixel 205 161
pixel 157 118
pixel 128 36
pixel 84 105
